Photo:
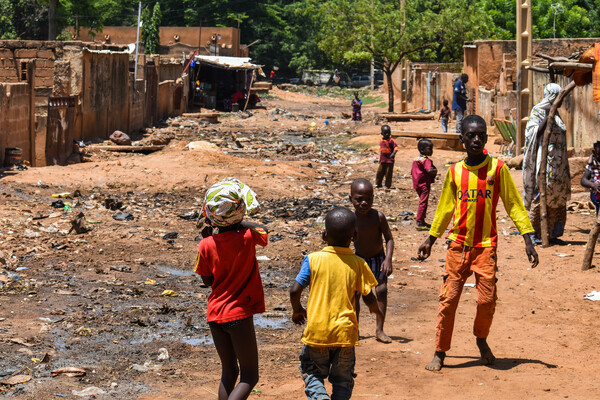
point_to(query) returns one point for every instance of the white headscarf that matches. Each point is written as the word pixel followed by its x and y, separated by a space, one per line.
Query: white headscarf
pixel 533 141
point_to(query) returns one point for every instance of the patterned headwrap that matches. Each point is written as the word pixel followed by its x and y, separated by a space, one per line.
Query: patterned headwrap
pixel 228 201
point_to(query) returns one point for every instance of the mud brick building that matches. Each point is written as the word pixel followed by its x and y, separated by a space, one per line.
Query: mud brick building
pixel 52 93
pixel 218 41
pixel 491 66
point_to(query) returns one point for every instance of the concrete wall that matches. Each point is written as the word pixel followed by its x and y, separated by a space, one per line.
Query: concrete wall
pixel 15 114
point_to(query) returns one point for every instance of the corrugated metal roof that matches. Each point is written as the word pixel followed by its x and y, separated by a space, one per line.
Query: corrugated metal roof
pixel 228 62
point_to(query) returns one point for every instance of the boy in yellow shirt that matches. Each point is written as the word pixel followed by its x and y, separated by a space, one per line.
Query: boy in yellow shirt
pixel 334 275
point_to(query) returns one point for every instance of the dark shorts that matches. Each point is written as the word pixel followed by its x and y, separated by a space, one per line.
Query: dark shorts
pixel 376 265
pixel 228 325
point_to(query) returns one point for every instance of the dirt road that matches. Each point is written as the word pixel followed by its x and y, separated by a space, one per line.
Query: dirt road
pixel 115 300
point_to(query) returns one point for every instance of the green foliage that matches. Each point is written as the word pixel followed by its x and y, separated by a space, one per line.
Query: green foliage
pixel 7 28
pixel 150 29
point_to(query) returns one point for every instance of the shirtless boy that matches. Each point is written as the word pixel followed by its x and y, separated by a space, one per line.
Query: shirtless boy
pixel 371 227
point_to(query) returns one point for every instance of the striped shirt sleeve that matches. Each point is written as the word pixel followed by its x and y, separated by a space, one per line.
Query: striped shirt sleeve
pixel 446 207
pixel 513 203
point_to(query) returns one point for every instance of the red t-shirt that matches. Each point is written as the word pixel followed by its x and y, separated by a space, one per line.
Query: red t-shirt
pixel 387 147
pixel 230 257
pixel 419 173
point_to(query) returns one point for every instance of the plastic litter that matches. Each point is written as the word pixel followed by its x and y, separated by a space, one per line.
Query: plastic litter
pixel 592 296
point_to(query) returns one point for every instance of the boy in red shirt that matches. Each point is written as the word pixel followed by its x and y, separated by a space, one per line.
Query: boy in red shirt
pixel 469 198
pixel 387 152
pixel 226 261
pixel 423 174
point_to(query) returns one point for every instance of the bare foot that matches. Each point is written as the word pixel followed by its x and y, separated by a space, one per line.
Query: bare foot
pixel 382 337
pixel 437 363
pixel 487 357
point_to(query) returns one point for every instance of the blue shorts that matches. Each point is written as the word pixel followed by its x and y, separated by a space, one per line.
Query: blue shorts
pixel 376 265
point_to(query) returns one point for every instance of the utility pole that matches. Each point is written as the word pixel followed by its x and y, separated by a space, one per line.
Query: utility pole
pixel 524 76
pixel 137 46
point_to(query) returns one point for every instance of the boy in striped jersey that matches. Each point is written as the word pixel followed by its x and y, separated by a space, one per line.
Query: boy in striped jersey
pixel 469 198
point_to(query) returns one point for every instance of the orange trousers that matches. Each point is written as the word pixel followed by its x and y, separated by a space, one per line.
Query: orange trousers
pixel 462 262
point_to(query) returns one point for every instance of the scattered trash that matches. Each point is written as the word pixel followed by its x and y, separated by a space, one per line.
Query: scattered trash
pixel 563 255
pixel 120 268
pixel 593 296
pixel 61 195
pixel 123 216
pixel 275 238
pixel 69 371
pixel 469 285
pixel 263 258
pixel 79 224
pixel 163 354
pixel 16 379
pixel 82 331
pixel 169 293
pixel 89 392
pixel 58 204
pixel 170 235
pixel 190 216
pixel 112 204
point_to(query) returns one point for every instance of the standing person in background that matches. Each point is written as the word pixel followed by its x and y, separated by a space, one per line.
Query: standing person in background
pixel 591 176
pixel 423 175
pixel 356 106
pixel 558 176
pixel 387 153
pixel 459 100
pixel 444 116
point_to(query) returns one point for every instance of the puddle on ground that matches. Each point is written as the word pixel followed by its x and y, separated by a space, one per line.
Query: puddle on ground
pixel 270 322
pixel 201 341
pixel 175 271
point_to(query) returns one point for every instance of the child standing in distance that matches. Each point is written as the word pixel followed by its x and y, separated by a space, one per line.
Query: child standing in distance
pixel 334 275
pixel 356 106
pixel 469 197
pixel 591 176
pixel 226 261
pixel 387 153
pixel 371 228
pixel 444 116
pixel 423 174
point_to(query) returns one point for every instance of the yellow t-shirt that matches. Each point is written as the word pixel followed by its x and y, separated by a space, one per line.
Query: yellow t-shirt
pixel 336 274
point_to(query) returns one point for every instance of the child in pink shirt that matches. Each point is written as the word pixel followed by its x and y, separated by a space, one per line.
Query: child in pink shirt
pixel 423 174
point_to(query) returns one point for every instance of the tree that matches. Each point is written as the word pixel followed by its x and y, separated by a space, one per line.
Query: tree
pixel 150 29
pixel 7 28
pixel 355 31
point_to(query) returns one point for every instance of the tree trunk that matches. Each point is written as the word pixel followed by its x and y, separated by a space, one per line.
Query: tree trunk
pixel 388 76
pixel 544 163
pixel 52 19
pixel 591 246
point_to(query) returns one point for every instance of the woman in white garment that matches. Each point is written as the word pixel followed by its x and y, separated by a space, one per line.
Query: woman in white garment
pixel 558 177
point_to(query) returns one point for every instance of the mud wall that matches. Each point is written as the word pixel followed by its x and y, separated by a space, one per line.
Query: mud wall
pixel 105 94
pixel 15 114
pixel 229 43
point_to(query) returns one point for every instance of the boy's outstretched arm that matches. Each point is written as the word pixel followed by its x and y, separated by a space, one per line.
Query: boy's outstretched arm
pixel 253 225
pixel 425 249
pixel 530 250
pixel 299 313
pixel 389 245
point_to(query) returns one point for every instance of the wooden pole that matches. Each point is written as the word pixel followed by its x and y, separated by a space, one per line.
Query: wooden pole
pixel 541 181
pixel 524 41
pixel 249 91
pixel 591 246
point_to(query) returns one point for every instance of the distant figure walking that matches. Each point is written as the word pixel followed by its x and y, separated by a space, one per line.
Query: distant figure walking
pixel 459 100
pixel 356 106
pixel 423 174
pixel 444 116
pixel 387 153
